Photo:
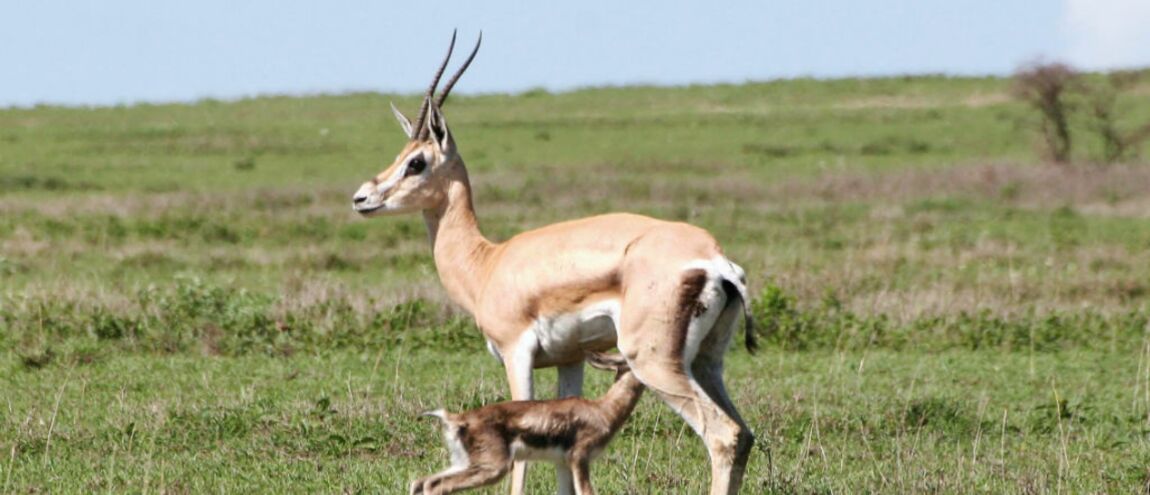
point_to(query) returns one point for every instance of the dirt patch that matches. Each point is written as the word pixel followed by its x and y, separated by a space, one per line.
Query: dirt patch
pixel 1120 190
pixel 908 102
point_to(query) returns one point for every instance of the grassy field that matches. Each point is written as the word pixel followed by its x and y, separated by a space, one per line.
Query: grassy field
pixel 189 305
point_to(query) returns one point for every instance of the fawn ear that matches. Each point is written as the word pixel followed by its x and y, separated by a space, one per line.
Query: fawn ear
pixel 438 413
pixel 608 362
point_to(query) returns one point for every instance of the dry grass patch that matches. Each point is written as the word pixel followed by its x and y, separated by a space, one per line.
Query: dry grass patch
pixel 1123 189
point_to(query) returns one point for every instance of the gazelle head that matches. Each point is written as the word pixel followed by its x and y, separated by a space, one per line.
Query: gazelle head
pixel 418 178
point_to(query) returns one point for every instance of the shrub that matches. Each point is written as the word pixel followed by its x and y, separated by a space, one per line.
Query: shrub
pixel 1118 144
pixel 1046 86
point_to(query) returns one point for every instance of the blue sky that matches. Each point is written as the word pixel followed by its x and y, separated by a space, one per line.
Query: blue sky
pixel 87 52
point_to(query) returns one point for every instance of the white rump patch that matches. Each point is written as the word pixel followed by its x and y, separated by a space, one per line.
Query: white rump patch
pixel 713 298
pixel 459 457
pixel 719 266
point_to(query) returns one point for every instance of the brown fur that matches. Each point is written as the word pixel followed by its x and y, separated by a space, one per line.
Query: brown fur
pixel 579 428
pixel 689 306
pixel 570 299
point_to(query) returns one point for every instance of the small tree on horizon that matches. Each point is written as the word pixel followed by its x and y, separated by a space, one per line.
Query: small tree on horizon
pixel 1046 86
pixel 1102 97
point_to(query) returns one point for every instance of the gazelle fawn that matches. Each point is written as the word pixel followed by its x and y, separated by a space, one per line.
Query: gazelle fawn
pixel 662 292
pixel 570 432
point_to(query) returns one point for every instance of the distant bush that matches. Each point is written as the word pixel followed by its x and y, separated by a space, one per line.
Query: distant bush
pixel 829 326
pixel 192 316
pixel 1059 92
pixel 1046 87
pixel 535 93
pixel 31 182
pixel 195 316
pixel 1118 143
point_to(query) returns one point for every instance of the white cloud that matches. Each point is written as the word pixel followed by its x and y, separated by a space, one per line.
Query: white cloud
pixel 1106 34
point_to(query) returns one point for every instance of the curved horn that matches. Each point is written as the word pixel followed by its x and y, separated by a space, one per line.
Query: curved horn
pixel 451 82
pixel 419 121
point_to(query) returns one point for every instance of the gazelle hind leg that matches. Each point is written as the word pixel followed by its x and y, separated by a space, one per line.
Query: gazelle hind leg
pixel 664 366
pixel 707 370
pixel 711 381
pixel 725 437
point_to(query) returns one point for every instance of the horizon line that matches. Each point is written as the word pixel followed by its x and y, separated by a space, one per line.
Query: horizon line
pixel 271 94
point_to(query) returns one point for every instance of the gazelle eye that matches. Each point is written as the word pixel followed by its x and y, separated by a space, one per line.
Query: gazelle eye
pixel 415 166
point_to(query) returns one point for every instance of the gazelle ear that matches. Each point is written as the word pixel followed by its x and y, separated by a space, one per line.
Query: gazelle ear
pixel 437 129
pixel 406 124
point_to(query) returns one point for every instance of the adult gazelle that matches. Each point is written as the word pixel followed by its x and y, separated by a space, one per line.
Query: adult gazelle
pixel 662 292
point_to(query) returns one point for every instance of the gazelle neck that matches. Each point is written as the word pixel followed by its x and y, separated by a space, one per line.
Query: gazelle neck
pixel 621 399
pixel 460 250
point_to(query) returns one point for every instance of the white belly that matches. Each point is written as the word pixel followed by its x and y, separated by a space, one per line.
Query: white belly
pixel 522 452
pixel 593 326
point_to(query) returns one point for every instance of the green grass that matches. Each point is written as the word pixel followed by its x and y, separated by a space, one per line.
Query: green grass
pixel 348 421
pixel 188 303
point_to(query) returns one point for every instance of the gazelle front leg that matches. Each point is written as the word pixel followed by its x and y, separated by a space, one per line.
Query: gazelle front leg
pixel 453 480
pixel 570 380
pixel 519 363
pixel 570 385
